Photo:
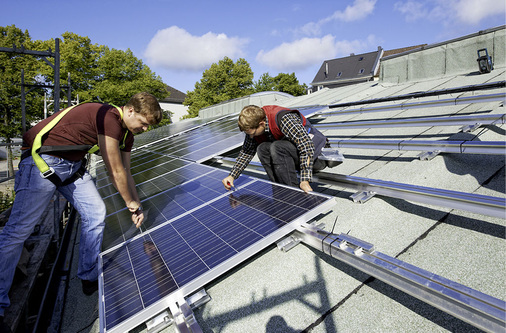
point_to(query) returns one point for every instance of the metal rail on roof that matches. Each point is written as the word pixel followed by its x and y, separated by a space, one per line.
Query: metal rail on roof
pixel 414 105
pixel 484 86
pixel 462 147
pixel 489 119
pixel 476 203
pixel 474 307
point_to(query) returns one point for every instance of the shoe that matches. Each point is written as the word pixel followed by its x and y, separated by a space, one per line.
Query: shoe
pixel 4 328
pixel 89 287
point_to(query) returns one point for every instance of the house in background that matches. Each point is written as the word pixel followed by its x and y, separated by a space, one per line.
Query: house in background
pixel 348 70
pixel 352 69
pixel 174 104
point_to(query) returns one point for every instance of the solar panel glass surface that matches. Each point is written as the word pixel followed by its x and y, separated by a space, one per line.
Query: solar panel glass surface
pixel 196 233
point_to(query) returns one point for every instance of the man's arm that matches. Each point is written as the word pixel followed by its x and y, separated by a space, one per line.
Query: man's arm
pixel 291 126
pixel 138 215
pixel 246 154
pixel 118 174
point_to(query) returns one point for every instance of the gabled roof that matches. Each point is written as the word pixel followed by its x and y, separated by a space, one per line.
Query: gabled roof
pixel 175 96
pixel 339 71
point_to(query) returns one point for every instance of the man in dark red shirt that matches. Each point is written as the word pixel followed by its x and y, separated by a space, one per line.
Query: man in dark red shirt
pixel 62 149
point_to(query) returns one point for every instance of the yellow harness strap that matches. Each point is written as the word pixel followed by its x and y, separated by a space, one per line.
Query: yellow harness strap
pixel 44 169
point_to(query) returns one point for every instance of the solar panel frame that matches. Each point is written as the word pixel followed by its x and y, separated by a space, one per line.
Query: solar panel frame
pixel 199 282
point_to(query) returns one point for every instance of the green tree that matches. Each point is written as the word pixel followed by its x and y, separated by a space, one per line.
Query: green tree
pixel 221 82
pixel 287 83
pixel 100 73
pixel 79 58
pixel 121 75
pixel 264 83
pixel 11 65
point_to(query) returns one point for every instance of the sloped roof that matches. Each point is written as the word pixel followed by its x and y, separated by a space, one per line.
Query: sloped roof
pixel 175 96
pixel 359 67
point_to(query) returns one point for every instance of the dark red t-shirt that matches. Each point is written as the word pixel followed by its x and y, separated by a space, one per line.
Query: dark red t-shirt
pixel 81 126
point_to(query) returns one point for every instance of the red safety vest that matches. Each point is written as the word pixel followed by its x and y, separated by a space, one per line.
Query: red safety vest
pixel 274 114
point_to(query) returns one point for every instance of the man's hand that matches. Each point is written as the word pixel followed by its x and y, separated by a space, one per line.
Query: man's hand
pixel 228 182
pixel 138 218
pixel 305 186
pixel 137 213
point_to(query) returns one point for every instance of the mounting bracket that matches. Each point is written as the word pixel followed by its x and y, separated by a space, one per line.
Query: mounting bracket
pixel 362 196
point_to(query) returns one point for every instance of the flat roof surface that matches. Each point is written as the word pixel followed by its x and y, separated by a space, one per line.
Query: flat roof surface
pixel 306 290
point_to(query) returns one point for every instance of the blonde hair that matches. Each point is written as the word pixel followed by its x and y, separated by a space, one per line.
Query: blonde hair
pixel 250 117
pixel 147 105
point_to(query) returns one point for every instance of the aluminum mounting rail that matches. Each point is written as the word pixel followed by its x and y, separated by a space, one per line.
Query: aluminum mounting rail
pixel 476 203
pixel 456 90
pixel 472 306
pixel 489 119
pixel 470 202
pixel 462 147
pixel 416 105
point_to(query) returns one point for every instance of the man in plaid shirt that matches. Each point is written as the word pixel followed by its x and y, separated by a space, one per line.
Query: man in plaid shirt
pixel 285 142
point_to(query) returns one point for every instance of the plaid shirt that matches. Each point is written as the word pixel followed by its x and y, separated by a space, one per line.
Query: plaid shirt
pixel 291 126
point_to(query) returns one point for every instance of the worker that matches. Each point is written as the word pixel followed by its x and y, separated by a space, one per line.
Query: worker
pixel 286 143
pixel 53 159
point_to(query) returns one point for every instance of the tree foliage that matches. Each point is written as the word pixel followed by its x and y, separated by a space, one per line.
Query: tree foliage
pixel 96 73
pixel 11 66
pixel 265 83
pixel 287 83
pixel 100 73
pixel 221 82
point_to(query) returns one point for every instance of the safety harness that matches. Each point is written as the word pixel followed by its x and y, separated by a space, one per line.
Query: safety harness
pixel 37 148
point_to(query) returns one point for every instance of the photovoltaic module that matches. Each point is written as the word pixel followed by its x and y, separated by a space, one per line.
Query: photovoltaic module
pixel 194 230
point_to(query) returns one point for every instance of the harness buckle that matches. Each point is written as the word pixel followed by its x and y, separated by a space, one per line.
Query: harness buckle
pixel 47 173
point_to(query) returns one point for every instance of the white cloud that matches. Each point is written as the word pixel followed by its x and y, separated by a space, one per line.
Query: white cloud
pixel 473 11
pixel 412 10
pixel 306 52
pixel 175 48
pixel 359 10
pixel 451 11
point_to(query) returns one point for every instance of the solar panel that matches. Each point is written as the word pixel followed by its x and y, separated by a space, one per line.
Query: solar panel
pixel 194 232
pixel 172 129
pixel 202 143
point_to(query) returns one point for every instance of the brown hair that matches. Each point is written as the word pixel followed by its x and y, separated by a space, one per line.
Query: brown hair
pixel 147 105
pixel 250 117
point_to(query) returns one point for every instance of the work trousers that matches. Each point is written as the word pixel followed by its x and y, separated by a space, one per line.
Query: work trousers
pixel 281 162
pixel 33 194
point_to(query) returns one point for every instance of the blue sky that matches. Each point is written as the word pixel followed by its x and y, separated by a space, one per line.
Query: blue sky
pixel 179 39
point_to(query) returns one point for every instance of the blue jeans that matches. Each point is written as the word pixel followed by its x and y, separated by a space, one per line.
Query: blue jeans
pixel 33 194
